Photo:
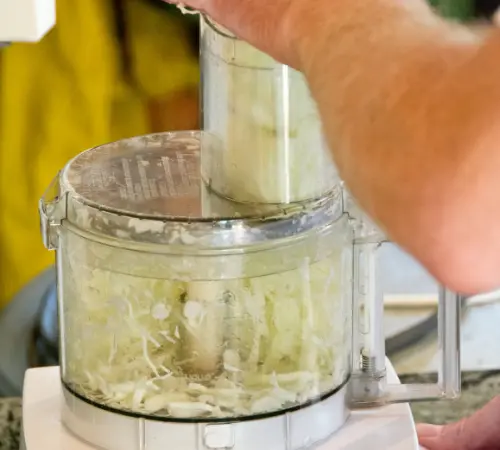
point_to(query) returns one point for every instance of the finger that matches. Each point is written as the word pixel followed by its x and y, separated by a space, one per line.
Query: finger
pixel 196 4
pixel 481 431
pixel 258 22
pixel 249 14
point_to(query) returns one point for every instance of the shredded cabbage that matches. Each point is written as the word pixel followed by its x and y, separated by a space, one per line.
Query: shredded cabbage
pixel 160 347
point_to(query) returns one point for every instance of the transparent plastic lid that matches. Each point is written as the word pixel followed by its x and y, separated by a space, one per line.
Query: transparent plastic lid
pixel 150 176
pixel 149 189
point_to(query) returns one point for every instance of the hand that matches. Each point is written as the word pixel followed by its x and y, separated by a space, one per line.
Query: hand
pixel 478 432
pixel 270 25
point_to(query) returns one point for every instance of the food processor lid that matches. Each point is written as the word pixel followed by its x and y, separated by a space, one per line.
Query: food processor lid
pixel 153 176
pixel 149 189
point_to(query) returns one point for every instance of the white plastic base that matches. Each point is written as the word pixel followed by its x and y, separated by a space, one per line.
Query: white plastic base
pixel 389 428
pixel 294 431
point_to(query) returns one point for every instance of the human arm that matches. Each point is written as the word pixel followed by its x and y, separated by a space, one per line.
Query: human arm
pixel 410 105
pixel 414 126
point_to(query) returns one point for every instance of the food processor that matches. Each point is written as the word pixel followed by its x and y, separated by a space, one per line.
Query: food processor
pixel 218 289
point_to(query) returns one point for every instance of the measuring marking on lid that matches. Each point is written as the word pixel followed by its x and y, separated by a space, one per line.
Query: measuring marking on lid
pixel 168 175
pixel 141 168
pixel 128 178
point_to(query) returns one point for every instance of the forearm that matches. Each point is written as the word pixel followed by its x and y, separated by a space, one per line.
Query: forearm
pixel 411 109
pixel 407 102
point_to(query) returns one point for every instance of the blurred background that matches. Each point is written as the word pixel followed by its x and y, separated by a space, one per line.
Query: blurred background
pixel 110 69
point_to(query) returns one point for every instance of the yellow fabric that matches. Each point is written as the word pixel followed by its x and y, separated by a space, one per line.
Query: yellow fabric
pixel 68 93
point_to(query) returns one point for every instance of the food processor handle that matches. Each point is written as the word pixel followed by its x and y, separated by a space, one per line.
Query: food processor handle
pixel 368 385
pixel 448 385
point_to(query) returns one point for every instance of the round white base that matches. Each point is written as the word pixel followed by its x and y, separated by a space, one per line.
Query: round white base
pixel 390 427
pixel 297 430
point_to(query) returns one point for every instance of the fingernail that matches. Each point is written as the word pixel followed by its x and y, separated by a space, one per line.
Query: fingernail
pixel 428 431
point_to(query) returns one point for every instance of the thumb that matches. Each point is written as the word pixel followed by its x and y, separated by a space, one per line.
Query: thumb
pixel 481 431
pixel 268 25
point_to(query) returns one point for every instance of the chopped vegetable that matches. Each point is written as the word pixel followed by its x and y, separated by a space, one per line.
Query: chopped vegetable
pixel 136 343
